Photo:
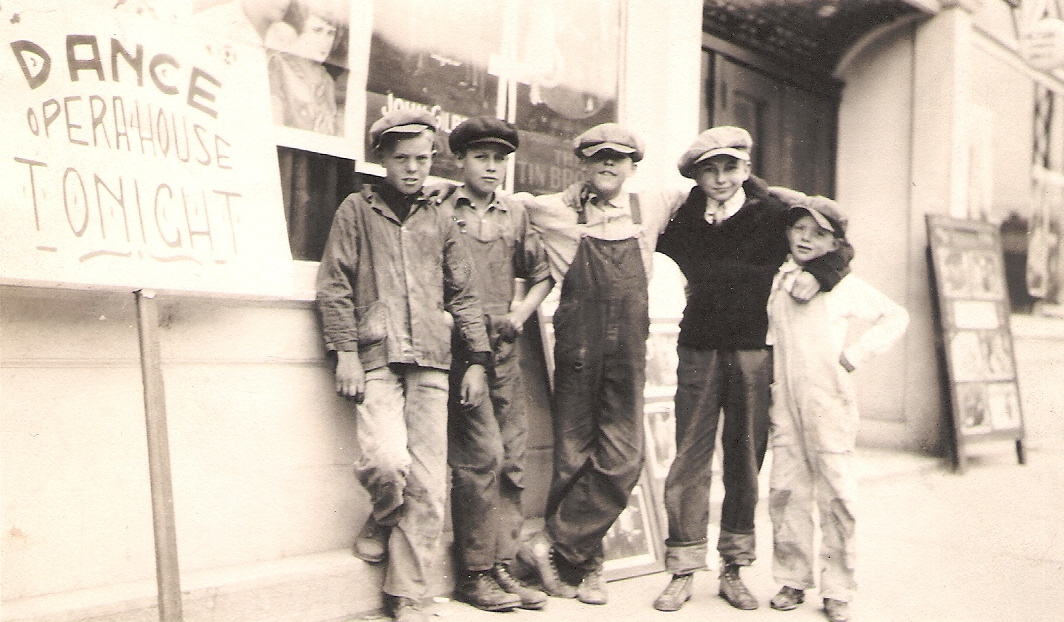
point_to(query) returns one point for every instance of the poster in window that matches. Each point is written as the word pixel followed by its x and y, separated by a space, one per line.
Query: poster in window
pixel 549 69
pixel 436 56
pixel 314 51
pixel 567 72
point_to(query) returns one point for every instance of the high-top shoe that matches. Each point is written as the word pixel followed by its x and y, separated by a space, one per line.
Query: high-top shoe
pixel 592 590
pixel 733 590
pixel 538 554
pixel 676 593
pixel 372 543
pixel 531 598
pixel 478 588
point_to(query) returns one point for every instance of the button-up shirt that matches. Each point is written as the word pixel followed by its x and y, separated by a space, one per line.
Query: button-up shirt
pixel 555 218
pixel 388 288
pixel 717 213
pixel 505 220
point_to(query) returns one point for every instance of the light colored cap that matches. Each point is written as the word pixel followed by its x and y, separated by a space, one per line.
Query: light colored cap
pixel 721 140
pixel 402 121
pixel 826 212
pixel 609 136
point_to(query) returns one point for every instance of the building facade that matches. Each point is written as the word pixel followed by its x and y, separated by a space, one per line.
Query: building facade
pixel 897 108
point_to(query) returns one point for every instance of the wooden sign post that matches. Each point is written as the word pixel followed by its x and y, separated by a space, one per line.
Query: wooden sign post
pixel 975 340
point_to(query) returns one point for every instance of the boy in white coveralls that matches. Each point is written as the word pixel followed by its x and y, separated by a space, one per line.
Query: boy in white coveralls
pixel 814 412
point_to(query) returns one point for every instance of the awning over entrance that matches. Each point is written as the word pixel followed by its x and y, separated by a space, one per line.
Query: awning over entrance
pixel 810 34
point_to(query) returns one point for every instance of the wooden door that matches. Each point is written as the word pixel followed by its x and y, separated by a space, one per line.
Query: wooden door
pixel 793 128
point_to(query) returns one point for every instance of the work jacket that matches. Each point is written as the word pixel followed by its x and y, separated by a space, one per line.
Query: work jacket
pixel 389 288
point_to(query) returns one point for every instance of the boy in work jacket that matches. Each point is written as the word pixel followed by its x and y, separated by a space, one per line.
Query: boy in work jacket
pixel 393 275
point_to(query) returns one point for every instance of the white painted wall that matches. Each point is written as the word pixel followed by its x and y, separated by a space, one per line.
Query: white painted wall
pixel 261 448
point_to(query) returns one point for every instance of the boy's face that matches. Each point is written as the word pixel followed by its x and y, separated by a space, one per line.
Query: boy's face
pixel 483 168
pixel 808 240
pixel 721 176
pixel 607 171
pixel 407 163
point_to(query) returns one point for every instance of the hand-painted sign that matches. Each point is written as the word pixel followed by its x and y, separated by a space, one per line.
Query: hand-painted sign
pixel 136 154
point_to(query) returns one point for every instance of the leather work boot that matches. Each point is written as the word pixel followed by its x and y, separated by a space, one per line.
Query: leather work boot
pixel 531 598
pixel 538 554
pixel 371 546
pixel 733 590
pixel 405 609
pixel 787 598
pixel 676 593
pixel 478 588
pixel 836 610
pixel 592 590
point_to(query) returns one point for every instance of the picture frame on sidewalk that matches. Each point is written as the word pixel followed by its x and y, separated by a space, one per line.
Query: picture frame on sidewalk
pixel 633 544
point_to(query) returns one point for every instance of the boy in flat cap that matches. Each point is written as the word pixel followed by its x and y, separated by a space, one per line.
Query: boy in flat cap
pixel 487 439
pixel 728 239
pixel 393 275
pixel 600 241
pixel 814 412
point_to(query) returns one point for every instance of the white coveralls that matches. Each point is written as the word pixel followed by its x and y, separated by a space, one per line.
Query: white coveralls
pixel 814 424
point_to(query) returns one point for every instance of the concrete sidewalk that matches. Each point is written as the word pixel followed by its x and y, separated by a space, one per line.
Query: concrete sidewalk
pixel 985 546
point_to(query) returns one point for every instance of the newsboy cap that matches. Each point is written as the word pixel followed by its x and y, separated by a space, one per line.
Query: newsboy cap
pixel 826 212
pixel 402 121
pixel 483 130
pixel 720 140
pixel 608 136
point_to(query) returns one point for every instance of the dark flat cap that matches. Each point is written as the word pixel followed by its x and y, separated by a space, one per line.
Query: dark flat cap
pixel 483 130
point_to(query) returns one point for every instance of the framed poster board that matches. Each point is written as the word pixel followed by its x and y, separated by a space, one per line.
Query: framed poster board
pixel 974 338
pixel 633 544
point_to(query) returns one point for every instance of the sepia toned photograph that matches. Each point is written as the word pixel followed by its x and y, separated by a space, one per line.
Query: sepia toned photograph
pixel 575 310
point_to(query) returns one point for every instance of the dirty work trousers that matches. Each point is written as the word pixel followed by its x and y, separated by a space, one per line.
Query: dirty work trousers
pixel 402 435
pixel 600 328
pixel 737 382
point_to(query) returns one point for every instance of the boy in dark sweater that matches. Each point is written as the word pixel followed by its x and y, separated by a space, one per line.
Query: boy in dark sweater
pixel 728 239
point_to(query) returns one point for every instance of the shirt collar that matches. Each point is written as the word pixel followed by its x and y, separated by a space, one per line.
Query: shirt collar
pixel 735 203
pixel 619 201
pixel 463 198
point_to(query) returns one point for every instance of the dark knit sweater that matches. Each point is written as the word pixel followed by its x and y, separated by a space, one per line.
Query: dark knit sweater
pixel 729 268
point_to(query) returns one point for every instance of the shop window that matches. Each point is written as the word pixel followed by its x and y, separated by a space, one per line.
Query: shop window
pixel 312 187
pixel 550 70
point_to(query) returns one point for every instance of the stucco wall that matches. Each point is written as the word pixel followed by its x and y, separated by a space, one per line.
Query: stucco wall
pixel 261 449
pixel 898 390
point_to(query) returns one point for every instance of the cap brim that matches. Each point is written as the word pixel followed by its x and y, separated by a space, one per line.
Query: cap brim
pixel 491 140
pixel 821 220
pixel 618 147
pixel 409 128
pixel 729 151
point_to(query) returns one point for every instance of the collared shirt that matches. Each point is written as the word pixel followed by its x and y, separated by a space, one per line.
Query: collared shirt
pixel 389 288
pixel 555 217
pixel 813 333
pixel 506 221
pixel 730 207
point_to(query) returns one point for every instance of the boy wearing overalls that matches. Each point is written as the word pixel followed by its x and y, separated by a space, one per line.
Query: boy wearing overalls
pixel 814 410
pixel 487 439
pixel 600 240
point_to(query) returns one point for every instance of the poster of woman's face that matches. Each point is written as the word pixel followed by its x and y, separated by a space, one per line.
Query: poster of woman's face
pixel 307 47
